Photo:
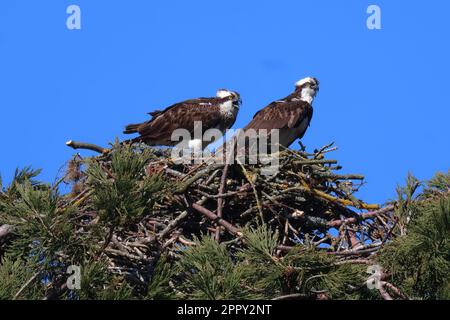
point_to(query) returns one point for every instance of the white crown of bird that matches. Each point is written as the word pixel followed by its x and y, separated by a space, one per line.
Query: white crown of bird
pixel 224 93
pixel 306 80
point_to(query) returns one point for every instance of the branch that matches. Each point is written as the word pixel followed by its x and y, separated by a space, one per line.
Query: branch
pixel 396 290
pixel 383 292
pixel 310 162
pixel 364 216
pixel 354 261
pixel 220 200
pixel 211 215
pixel 175 222
pixel 182 188
pixel 87 146
pixel 294 296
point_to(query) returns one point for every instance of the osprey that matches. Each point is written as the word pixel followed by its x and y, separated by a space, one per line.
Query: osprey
pixel 214 113
pixel 290 115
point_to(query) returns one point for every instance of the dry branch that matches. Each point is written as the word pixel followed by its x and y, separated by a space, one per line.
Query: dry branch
pixel 86 146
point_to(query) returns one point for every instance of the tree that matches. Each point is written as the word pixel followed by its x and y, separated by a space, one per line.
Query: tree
pixel 140 226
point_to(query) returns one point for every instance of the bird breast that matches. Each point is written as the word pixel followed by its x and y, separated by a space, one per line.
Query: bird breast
pixel 226 108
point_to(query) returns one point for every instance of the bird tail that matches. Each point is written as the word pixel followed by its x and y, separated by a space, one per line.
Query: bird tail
pixel 132 128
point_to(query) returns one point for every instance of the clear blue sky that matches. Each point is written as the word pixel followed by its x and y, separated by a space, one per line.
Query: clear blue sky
pixel 384 95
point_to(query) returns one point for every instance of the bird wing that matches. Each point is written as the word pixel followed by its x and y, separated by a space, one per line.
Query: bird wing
pixel 200 101
pixel 182 115
pixel 281 114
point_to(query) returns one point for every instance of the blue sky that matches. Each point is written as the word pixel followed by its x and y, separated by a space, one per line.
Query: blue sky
pixel 383 99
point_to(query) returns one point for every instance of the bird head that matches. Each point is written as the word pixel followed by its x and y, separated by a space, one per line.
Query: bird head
pixel 308 88
pixel 308 82
pixel 231 95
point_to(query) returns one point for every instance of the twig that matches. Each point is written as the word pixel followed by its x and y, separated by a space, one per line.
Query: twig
pixel 321 150
pixel 122 254
pixel 185 185
pixel 310 162
pixel 215 218
pixel 383 292
pixel 255 192
pixel 26 284
pixel 396 290
pixel 172 225
pixel 185 241
pixel 107 241
pixel 354 261
pixel 390 232
pixel 220 199
pixel 293 296
pixel 364 216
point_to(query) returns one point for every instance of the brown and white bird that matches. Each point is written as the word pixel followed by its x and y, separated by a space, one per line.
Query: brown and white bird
pixel 217 112
pixel 291 115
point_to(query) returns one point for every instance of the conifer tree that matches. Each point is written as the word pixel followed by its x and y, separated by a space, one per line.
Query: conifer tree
pixel 140 226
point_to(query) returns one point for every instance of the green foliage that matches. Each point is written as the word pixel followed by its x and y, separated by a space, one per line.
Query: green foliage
pixel 263 271
pixel 438 185
pixel 123 195
pixel 41 227
pixel 303 270
pixel 99 284
pixel 338 281
pixel 160 284
pixel 210 273
pixel 420 260
pixel 406 210
pixel 47 237
pixel 261 243
pixel 18 279
pixel 120 195
pixel 27 175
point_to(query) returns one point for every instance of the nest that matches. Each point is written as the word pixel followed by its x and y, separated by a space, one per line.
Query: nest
pixel 307 203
